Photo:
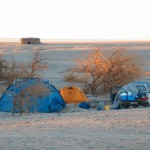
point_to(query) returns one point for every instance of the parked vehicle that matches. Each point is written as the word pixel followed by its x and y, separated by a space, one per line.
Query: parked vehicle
pixel 133 94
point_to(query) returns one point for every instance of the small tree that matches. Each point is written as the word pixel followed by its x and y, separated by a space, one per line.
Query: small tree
pixel 9 71
pixel 121 69
pixel 101 72
pixel 13 70
pixel 27 97
pixel 39 62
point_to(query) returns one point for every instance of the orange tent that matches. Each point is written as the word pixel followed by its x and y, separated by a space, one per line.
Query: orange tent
pixel 73 95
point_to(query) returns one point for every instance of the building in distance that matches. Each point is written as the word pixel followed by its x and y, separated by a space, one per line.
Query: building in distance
pixel 30 40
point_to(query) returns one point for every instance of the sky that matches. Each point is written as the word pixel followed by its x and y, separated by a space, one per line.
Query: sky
pixel 75 19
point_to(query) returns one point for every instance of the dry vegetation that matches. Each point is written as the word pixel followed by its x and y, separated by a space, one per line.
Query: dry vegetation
pixel 71 77
pixel 10 71
pixel 101 72
pixel 27 97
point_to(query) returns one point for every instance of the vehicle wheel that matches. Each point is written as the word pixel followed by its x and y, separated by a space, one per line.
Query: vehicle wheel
pixel 135 106
pixel 119 107
pixel 146 105
pixel 124 106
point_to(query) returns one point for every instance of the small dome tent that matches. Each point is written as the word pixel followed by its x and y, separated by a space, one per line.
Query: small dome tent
pixel 73 95
pixel 50 101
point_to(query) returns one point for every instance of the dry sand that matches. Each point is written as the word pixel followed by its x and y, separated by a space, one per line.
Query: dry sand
pixel 79 129
pixel 75 128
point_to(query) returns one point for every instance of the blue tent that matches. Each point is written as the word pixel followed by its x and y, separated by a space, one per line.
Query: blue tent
pixel 51 101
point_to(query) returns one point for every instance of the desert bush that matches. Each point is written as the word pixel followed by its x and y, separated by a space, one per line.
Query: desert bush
pixel 102 71
pixel 11 70
pixel 38 63
pixel 73 78
pixel 27 97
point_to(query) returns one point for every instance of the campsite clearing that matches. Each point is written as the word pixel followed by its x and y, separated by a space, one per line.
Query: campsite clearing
pixel 75 128
pixel 126 129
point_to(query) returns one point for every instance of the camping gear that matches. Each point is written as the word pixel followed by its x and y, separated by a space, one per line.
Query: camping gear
pixel 132 94
pixel 51 101
pixel 101 105
pixel 123 97
pixel 73 95
pixel 84 105
pixel 56 102
pixel 106 107
pixel 127 97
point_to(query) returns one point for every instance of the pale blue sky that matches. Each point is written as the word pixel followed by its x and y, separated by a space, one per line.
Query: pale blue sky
pixel 76 19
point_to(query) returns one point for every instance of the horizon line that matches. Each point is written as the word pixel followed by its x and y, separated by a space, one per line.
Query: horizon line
pixel 77 40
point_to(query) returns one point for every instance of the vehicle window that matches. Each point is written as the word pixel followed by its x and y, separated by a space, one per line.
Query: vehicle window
pixel 141 87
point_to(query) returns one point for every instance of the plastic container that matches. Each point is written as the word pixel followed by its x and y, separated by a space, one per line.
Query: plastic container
pixel 131 98
pixel 106 107
pixel 123 97
pixel 101 105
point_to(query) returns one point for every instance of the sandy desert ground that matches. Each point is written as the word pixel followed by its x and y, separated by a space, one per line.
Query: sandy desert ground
pixel 78 129
pixel 75 128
